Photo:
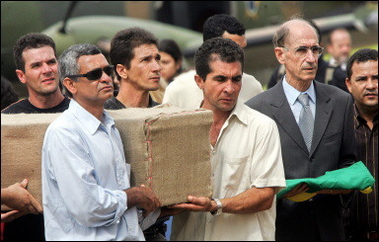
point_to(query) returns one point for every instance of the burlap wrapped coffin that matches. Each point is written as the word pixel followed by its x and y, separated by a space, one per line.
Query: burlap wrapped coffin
pixel 167 147
pixel 21 144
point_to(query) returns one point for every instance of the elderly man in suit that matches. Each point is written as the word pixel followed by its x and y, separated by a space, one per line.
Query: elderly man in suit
pixel 316 137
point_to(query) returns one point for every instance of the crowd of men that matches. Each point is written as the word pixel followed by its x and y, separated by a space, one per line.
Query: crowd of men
pixel 298 128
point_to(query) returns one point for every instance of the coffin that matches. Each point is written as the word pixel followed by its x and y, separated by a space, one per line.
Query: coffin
pixel 168 149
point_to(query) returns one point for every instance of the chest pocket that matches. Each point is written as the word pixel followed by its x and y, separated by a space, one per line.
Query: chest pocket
pixel 235 176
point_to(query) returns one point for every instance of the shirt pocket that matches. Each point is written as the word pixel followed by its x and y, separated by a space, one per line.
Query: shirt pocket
pixel 235 176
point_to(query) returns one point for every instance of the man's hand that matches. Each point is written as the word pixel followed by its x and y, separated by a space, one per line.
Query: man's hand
pixel 196 204
pixel 144 198
pixel 17 197
pixel 302 187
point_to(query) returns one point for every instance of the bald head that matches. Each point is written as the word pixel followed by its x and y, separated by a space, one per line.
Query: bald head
pixel 296 26
pixel 339 45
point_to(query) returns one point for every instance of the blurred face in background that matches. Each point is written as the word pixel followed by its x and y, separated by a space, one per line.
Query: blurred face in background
pixel 340 46
pixel 169 66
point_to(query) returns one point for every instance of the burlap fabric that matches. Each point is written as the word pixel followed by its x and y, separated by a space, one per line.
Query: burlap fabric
pixel 167 147
pixel 21 143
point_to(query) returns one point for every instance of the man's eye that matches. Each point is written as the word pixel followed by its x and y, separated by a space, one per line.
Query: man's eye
pixel 302 50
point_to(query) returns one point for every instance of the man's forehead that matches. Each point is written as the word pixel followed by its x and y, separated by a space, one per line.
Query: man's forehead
pixel 38 52
pixel 92 61
pixel 219 67
pixel 146 50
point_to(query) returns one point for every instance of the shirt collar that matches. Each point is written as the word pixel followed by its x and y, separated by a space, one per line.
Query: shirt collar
pixel 359 120
pixel 239 113
pixel 292 94
pixel 89 122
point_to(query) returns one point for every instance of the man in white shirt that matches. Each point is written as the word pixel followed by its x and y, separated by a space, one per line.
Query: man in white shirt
pixel 247 169
pixel 85 179
pixel 183 91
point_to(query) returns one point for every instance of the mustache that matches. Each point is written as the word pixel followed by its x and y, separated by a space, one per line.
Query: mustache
pixel 309 66
pixel 370 92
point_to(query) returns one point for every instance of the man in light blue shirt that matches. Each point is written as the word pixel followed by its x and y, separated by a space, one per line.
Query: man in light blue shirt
pixel 292 94
pixel 85 179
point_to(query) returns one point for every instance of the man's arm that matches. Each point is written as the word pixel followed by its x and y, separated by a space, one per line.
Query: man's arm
pixel 251 201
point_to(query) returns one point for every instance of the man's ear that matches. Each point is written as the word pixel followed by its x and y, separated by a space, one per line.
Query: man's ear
pixel 279 54
pixel 199 81
pixel 122 71
pixel 348 84
pixel 70 85
pixel 21 76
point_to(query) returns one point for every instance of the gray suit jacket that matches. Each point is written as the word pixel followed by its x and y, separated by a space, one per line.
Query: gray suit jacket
pixel 333 147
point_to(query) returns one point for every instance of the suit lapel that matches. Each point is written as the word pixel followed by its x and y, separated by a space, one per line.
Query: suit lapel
pixel 283 114
pixel 323 113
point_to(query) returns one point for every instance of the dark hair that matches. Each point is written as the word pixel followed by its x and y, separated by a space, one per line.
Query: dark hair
pixel 171 47
pixel 220 48
pixel 30 41
pixel 124 43
pixel 361 55
pixel 216 25
pixel 8 95
pixel 68 60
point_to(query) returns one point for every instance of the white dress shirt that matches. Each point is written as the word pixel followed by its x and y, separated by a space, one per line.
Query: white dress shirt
pixel 84 174
pixel 247 154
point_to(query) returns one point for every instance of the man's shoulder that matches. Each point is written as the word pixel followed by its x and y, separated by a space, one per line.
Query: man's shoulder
pixel 330 90
pixel 113 104
pixel 183 81
pixel 257 115
pixel 262 98
pixel 21 106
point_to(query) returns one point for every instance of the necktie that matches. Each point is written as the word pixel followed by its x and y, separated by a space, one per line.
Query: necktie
pixel 306 120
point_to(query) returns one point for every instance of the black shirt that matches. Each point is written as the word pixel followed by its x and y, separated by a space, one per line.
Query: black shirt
pixel 114 104
pixel 24 106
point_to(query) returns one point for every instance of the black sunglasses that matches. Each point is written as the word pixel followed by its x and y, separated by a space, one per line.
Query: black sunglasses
pixel 96 73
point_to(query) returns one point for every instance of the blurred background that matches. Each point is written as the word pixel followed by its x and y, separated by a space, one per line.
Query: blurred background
pixel 71 22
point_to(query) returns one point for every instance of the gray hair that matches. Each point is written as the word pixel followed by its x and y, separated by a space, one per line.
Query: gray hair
pixel 68 61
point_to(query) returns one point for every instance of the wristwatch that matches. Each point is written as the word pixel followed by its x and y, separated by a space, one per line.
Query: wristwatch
pixel 218 211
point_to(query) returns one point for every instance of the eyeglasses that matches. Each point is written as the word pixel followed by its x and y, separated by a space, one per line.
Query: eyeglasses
pixel 96 73
pixel 303 50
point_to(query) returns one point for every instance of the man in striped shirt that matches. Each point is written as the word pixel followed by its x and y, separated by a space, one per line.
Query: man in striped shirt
pixel 362 82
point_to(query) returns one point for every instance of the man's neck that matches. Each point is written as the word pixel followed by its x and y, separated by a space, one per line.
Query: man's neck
pixel 219 118
pixel 48 101
pixel 133 98
pixel 368 114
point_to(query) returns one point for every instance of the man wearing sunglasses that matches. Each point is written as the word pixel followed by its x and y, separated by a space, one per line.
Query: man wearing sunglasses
pixel 135 56
pixel 85 179
pixel 37 67
pixel 317 134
